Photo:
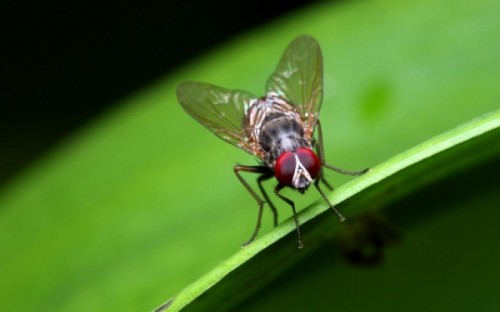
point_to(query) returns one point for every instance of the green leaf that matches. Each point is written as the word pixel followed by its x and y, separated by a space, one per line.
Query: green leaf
pixel 241 284
pixel 143 201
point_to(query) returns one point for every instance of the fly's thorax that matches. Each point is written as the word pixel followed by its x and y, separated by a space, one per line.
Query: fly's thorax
pixel 280 134
pixel 259 111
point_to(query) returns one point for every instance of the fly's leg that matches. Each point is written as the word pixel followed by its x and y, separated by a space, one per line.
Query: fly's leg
pixel 339 215
pixel 319 150
pixel 266 198
pixel 346 172
pixel 265 174
pixel 325 181
pixel 292 204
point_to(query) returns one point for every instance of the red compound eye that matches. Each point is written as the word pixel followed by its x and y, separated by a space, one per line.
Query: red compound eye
pixel 285 168
pixel 287 163
pixel 310 161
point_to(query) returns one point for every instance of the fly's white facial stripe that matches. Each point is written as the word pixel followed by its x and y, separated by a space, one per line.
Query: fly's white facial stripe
pixel 300 171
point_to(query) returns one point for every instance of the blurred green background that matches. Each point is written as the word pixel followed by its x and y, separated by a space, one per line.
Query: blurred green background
pixel 142 201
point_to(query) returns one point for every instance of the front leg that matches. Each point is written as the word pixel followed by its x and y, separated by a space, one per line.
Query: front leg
pixel 295 217
pixel 319 150
pixel 325 198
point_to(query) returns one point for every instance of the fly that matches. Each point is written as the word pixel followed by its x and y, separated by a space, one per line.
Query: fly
pixel 281 129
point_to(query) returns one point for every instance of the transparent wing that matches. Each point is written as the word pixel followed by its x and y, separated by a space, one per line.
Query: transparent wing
pixel 298 77
pixel 220 110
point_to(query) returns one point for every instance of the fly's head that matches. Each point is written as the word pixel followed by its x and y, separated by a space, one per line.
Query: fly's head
pixel 297 169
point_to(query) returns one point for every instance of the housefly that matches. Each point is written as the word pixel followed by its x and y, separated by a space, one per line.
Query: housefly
pixel 281 129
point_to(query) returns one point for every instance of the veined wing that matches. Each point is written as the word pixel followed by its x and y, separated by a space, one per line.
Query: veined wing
pixel 298 78
pixel 221 110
